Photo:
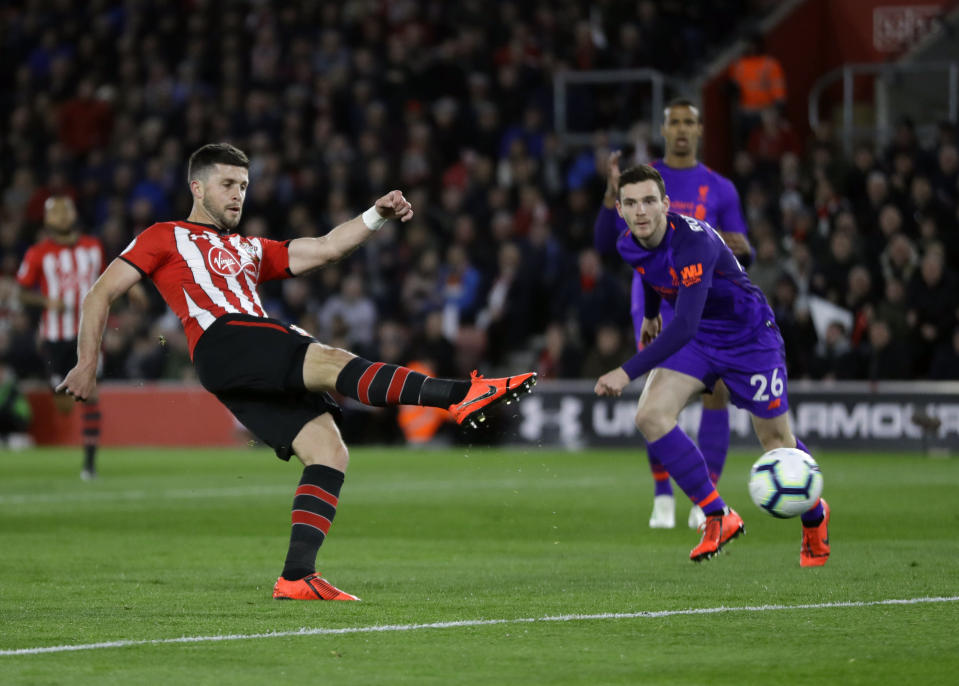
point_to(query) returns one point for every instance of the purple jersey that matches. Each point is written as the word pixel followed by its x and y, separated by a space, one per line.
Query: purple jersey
pixel 697 192
pixel 704 194
pixel 693 270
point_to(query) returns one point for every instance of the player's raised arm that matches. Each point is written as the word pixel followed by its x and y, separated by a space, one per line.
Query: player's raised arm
pixel 606 228
pixel 310 253
pixel 118 278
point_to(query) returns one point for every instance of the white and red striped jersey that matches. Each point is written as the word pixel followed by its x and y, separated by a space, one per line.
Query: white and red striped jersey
pixel 203 273
pixel 64 273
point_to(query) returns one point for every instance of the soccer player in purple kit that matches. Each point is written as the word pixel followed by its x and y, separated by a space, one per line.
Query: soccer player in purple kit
pixel 722 327
pixel 697 191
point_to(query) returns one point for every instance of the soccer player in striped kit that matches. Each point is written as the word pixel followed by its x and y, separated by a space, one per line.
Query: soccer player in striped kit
pixel 273 377
pixel 696 191
pixel 55 275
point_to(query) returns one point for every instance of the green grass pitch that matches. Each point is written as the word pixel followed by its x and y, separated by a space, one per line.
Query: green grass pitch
pixel 476 566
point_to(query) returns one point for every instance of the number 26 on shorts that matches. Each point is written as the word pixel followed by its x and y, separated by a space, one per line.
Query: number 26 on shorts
pixel 774 384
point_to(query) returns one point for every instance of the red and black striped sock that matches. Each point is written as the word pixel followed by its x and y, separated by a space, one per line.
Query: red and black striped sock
pixel 314 507
pixel 91 433
pixel 380 384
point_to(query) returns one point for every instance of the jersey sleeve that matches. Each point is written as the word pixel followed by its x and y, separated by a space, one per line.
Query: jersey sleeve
pixel 274 260
pixel 695 253
pixel 148 251
pixel 730 214
pixel 28 275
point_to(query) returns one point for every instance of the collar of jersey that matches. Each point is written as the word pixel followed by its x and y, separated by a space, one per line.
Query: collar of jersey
pixel 206 226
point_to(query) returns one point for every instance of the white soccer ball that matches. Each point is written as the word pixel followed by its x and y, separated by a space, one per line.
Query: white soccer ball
pixel 785 482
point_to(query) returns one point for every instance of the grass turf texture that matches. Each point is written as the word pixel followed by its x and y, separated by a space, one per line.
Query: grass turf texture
pixel 171 543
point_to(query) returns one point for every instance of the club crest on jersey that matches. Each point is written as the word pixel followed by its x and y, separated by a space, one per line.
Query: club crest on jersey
pixel 225 263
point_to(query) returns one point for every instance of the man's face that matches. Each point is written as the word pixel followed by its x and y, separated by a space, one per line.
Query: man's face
pixel 644 210
pixel 682 130
pixel 221 191
pixel 59 214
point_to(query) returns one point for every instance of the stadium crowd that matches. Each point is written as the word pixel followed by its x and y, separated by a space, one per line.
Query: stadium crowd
pixel 337 102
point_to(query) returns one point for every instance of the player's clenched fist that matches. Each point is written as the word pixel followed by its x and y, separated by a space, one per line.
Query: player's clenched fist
pixel 394 206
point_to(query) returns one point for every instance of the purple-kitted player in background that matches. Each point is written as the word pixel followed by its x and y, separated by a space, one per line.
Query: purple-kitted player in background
pixel 722 328
pixel 697 191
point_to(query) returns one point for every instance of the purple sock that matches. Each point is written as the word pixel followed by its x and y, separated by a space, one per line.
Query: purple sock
pixel 661 483
pixel 714 440
pixel 686 465
pixel 814 515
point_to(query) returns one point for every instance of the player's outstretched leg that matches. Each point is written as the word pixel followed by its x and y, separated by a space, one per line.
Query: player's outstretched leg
pixel 381 384
pixel 686 464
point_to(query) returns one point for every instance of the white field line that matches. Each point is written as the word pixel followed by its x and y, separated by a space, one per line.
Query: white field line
pixel 388 628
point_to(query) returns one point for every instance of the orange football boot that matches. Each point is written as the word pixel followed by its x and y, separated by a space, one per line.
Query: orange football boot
pixel 311 587
pixel 484 393
pixel 717 531
pixel 815 542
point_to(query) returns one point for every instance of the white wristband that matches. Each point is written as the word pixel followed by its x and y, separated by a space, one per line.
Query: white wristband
pixel 373 220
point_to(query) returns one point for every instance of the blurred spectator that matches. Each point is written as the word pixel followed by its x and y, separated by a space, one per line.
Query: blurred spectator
pixel 15 413
pixel 459 285
pixel 601 298
pixel 882 356
pixel 834 357
pixel 830 277
pixel 508 311
pixel 899 260
pixel 933 298
pixel 772 139
pixel 559 358
pixel 356 311
pixel 432 348
pixel 766 268
pixel 86 120
pixel 792 317
pixel 892 309
pixel 859 299
pixel 758 80
pixel 611 349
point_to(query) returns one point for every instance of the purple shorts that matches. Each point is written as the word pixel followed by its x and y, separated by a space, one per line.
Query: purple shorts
pixel 754 373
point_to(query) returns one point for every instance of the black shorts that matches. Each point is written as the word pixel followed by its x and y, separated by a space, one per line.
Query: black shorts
pixel 59 357
pixel 254 366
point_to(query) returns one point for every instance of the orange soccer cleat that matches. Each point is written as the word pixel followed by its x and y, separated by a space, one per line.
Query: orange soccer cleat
pixel 815 542
pixel 311 587
pixel 484 393
pixel 717 532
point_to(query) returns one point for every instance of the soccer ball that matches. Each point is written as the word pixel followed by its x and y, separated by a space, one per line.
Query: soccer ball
pixel 785 482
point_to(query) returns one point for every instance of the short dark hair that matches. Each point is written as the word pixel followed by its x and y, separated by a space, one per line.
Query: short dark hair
pixel 640 173
pixel 683 102
pixel 215 153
